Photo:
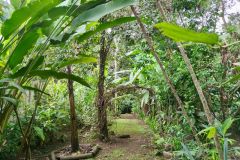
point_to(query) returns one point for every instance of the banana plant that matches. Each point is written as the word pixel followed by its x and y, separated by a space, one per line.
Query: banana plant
pixel 33 27
pixel 26 38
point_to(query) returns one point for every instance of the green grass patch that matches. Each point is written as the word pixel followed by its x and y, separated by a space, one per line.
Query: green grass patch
pixel 116 153
pixel 127 126
pixel 122 154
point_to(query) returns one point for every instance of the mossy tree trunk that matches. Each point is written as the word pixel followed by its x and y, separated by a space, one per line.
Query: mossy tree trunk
pixel 101 103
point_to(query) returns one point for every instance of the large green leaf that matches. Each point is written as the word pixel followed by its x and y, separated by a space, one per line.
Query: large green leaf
pixel 212 132
pixel 21 72
pixel 5 115
pixel 93 14
pixel 10 84
pixel 180 34
pixel 23 47
pixel 16 3
pixel 101 10
pixel 31 13
pixel 35 89
pixel 39 133
pixel 46 26
pixel 227 124
pixel 11 100
pixel 74 10
pixel 17 86
pixel 105 26
pixel 58 75
pixel 80 60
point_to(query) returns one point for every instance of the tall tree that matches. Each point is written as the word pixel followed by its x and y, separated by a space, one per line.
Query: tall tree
pixel 74 129
pixel 102 110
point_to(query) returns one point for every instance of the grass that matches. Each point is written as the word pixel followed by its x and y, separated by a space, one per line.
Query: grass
pixel 127 126
pixel 117 153
pixel 122 154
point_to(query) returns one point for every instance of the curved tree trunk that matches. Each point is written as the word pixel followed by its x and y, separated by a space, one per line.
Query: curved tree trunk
pixel 150 107
pixel 74 129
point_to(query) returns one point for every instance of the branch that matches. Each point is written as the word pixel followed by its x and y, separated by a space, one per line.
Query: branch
pixel 111 93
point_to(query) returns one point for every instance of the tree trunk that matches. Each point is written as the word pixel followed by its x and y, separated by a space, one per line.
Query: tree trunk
pixel 102 113
pixel 202 97
pixel 223 14
pixel 116 40
pixel 74 128
pixel 169 82
pixel 223 94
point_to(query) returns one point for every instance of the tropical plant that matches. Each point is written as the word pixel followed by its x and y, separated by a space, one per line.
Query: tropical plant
pixel 30 34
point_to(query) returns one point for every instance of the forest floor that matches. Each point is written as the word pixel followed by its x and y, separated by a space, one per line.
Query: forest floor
pixel 138 146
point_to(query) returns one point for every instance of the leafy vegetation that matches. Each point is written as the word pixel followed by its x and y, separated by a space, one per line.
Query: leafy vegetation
pixel 69 69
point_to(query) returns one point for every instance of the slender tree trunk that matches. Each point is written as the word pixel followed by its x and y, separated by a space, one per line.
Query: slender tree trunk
pixel 223 14
pixel 223 94
pixel 201 96
pixel 102 113
pixel 169 82
pixel 224 54
pixel 198 88
pixel 116 70
pixel 73 116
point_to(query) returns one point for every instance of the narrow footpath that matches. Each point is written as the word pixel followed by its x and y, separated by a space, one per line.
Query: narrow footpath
pixel 137 146
pixel 131 139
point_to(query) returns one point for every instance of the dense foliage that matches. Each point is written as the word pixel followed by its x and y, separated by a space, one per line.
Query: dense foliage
pixel 173 63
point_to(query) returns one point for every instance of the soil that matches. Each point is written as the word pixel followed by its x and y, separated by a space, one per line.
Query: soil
pixel 84 148
pixel 137 146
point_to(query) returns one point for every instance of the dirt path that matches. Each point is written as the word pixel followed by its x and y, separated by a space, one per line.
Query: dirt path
pixel 137 147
